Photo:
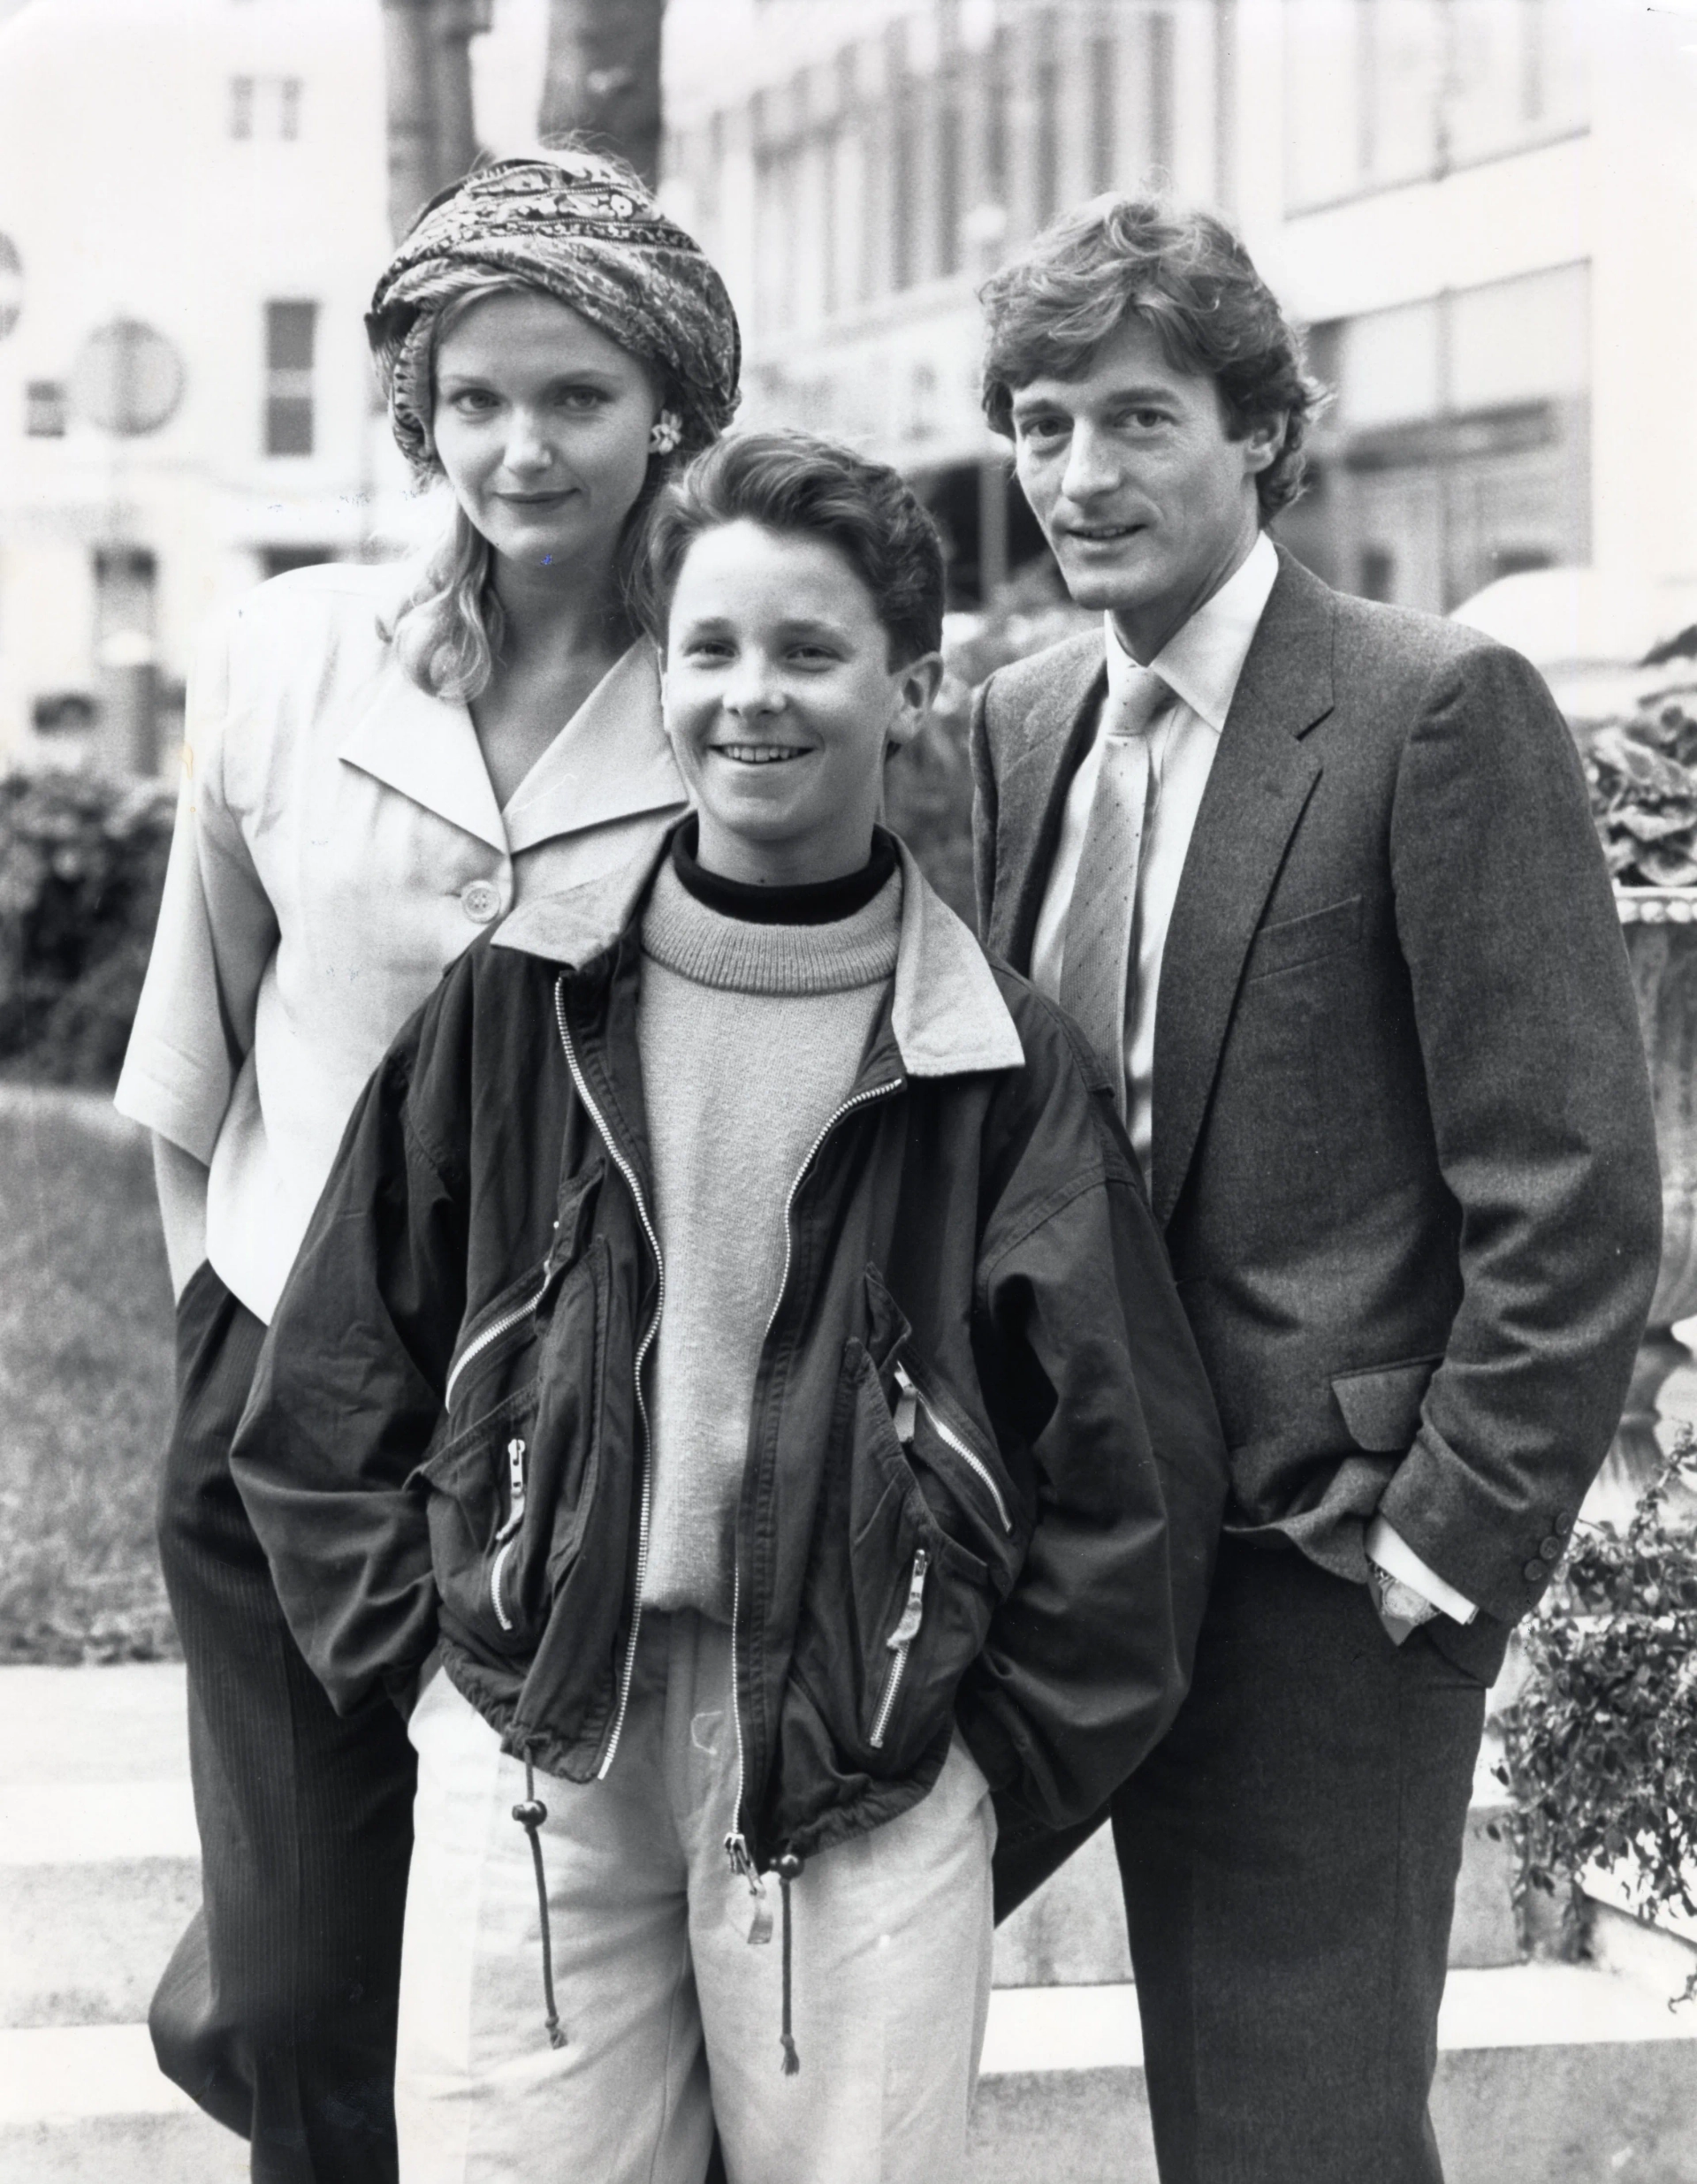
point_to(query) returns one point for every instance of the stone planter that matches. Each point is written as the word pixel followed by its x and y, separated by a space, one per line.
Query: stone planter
pixel 1661 930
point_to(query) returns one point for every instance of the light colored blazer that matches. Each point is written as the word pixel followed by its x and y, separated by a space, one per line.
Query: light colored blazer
pixel 338 845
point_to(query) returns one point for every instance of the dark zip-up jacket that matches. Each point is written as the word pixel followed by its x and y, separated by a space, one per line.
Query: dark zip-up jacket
pixel 984 1473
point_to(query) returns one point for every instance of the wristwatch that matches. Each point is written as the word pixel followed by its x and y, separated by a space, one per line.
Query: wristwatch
pixel 1401 1608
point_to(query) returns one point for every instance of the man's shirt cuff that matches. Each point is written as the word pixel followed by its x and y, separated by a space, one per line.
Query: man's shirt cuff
pixel 1392 1552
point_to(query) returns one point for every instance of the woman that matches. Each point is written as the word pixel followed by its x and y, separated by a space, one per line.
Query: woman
pixel 374 774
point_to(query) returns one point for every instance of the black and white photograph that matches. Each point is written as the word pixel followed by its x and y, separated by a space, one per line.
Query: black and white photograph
pixel 848 1092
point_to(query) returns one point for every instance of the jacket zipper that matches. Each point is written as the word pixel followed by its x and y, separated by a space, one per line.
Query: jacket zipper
pixel 900 1642
pixel 947 1433
pixel 506 1538
pixel 492 1333
pixel 737 1846
pixel 643 1347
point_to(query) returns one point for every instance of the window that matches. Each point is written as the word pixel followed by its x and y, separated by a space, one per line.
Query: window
pixel 950 153
pixel 904 168
pixel 1104 120
pixel 291 333
pixel 266 107
pixel 1046 148
pixel 44 409
pixel 1385 92
pixel 1161 90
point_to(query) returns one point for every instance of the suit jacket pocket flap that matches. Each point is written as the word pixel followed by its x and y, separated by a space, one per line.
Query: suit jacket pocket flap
pixel 1381 1404
pixel 1293 941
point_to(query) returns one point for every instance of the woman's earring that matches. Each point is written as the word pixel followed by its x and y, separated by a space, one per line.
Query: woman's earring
pixel 664 433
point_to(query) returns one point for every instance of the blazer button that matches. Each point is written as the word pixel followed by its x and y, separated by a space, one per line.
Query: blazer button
pixel 1534 1573
pixel 481 901
pixel 1551 1549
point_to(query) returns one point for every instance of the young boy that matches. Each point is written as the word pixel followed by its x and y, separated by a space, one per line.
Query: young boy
pixel 734 1350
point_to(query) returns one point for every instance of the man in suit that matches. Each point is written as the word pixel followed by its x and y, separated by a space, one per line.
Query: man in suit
pixel 1317 879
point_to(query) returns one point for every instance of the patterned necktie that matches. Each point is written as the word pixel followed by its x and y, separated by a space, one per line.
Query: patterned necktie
pixel 1103 907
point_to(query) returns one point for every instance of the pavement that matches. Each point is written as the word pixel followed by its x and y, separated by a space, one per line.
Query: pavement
pixel 1549 2072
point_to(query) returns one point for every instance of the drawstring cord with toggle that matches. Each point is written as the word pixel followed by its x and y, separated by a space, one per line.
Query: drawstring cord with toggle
pixel 788 1868
pixel 530 1816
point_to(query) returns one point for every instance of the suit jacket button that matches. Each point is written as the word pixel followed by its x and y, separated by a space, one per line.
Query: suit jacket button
pixel 480 900
pixel 1551 1549
pixel 1534 1573
pixel 1564 1520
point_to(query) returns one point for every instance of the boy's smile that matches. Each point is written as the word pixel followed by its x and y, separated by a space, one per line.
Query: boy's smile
pixel 781 703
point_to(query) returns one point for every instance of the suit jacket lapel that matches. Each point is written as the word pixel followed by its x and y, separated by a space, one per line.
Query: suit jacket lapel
pixel 1032 784
pixel 1262 776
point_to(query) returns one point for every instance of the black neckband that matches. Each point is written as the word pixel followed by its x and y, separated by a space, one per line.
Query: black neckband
pixel 810 902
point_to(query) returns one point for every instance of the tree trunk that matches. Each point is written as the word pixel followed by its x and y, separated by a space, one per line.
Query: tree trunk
pixel 604 77
pixel 432 140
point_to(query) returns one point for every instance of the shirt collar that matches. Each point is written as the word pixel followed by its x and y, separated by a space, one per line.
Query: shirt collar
pixel 1201 661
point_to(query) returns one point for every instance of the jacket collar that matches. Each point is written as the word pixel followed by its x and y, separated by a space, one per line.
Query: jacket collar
pixel 611 760
pixel 1043 751
pixel 947 1015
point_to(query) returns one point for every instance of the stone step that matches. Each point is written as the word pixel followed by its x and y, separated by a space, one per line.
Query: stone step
pixel 85 1944
pixel 1072 1931
pixel 99 1855
pixel 84 2102
pixel 1547 2074
pixel 99 1859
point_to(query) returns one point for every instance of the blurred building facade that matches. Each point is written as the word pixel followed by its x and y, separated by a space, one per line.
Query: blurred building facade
pixel 184 399
pixel 1485 211
pixel 192 211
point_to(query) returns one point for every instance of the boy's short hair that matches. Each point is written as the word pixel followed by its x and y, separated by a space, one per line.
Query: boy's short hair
pixel 792 481
pixel 1187 277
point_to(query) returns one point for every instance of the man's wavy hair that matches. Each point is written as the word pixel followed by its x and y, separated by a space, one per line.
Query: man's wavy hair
pixel 1187 277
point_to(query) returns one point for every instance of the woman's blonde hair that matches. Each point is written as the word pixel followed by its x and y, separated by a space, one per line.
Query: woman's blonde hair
pixel 448 631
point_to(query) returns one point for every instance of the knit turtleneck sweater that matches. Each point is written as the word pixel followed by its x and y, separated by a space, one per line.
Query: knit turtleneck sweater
pixel 751 1036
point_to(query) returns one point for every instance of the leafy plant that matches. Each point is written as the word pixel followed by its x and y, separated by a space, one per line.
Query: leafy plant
pixel 1601 1743
pixel 928 786
pixel 82 861
pixel 1643 775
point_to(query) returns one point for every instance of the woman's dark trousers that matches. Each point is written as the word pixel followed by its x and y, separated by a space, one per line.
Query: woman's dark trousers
pixel 276 2012
pixel 1288 1854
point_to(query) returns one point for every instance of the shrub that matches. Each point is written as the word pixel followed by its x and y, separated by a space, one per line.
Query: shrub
pixel 1643 775
pixel 1601 1743
pixel 83 861
pixel 928 796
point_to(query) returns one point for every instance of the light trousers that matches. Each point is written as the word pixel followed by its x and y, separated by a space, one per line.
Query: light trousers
pixel 671 2014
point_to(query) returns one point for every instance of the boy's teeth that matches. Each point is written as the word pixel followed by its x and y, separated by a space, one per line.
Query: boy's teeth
pixel 757 754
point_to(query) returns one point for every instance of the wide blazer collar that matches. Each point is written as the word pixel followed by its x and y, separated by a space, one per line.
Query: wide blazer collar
pixel 610 761
pixel 1261 778
pixel 1263 775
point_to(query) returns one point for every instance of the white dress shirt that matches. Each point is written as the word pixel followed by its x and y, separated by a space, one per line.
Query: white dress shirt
pixel 1201 663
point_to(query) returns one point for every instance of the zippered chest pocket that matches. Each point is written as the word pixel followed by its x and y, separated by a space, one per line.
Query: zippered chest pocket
pixel 895 1607
pixel 508 1491
pixel 940 1446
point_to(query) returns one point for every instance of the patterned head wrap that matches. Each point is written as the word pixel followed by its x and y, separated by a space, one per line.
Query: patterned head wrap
pixel 581 228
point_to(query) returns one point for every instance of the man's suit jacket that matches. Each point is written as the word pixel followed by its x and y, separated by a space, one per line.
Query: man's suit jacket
pixel 1403 1149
